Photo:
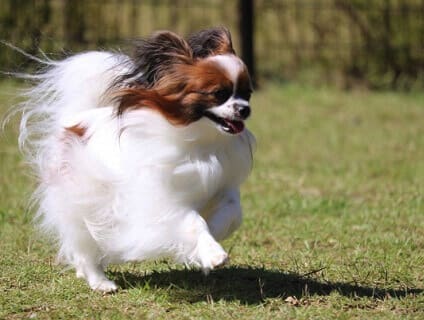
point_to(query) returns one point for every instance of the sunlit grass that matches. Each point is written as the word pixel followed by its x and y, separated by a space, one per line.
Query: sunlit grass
pixel 333 229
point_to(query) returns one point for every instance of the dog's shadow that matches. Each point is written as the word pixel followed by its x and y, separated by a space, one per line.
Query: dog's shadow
pixel 247 285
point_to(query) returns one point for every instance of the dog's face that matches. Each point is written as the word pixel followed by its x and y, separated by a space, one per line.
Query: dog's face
pixel 189 80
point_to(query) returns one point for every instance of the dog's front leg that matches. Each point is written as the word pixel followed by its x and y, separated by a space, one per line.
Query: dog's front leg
pixel 199 246
pixel 226 215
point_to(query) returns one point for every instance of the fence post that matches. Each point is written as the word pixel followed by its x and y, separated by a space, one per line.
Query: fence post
pixel 246 32
pixel 74 23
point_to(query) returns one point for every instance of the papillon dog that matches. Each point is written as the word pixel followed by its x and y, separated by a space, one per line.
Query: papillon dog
pixel 141 156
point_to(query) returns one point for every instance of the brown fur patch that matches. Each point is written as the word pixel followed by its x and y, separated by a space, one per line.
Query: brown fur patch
pixel 182 95
pixel 77 129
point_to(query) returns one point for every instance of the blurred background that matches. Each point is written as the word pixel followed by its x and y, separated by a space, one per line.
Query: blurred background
pixel 376 44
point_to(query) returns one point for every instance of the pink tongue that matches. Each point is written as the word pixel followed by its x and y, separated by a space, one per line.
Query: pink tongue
pixel 236 126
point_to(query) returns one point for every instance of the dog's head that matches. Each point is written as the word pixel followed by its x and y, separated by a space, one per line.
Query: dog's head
pixel 187 80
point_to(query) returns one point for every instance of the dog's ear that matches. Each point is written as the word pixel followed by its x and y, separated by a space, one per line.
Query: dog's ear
pixel 153 57
pixel 211 42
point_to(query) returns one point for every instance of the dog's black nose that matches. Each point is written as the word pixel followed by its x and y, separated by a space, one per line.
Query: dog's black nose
pixel 243 111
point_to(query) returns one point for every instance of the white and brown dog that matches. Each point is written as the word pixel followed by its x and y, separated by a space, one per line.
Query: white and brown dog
pixel 141 157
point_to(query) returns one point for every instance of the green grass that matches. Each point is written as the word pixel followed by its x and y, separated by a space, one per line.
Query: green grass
pixel 333 229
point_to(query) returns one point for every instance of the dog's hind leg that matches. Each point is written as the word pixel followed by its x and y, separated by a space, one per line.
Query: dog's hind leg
pixel 82 252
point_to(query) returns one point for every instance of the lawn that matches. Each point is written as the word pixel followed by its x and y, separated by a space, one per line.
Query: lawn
pixel 333 228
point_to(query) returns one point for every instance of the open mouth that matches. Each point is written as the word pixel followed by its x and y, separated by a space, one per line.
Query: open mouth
pixel 227 125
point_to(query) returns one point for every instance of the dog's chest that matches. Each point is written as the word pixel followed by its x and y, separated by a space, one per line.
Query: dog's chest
pixel 201 175
pixel 205 173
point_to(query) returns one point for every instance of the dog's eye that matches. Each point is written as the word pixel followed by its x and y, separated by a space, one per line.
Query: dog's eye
pixel 222 95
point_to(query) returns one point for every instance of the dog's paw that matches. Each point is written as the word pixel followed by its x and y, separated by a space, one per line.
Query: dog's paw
pixel 80 273
pixel 104 285
pixel 210 253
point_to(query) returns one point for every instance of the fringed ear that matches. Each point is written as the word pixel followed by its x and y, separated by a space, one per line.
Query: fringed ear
pixel 211 42
pixel 153 57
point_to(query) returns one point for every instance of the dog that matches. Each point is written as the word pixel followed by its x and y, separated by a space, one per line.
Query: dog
pixel 140 156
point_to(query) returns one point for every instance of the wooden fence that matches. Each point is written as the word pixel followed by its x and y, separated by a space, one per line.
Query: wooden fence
pixel 374 43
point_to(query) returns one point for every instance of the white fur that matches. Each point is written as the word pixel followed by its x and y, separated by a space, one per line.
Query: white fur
pixel 232 64
pixel 228 109
pixel 133 187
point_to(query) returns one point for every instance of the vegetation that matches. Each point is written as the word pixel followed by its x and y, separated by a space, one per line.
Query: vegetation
pixel 334 225
pixel 349 43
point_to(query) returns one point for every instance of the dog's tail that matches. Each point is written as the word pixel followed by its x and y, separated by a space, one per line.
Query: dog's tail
pixel 61 89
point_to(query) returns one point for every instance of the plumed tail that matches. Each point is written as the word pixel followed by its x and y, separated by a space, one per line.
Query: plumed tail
pixel 60 90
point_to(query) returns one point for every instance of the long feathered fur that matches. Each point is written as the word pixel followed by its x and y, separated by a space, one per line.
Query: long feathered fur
pixel 132 186
pixel 58 90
